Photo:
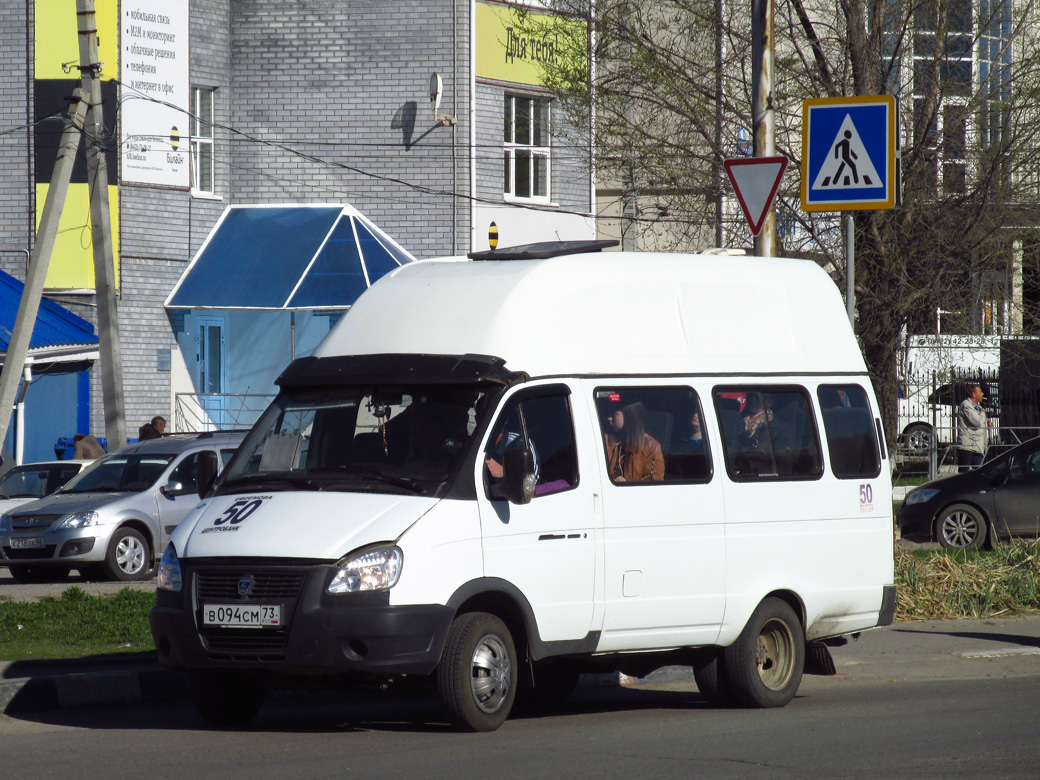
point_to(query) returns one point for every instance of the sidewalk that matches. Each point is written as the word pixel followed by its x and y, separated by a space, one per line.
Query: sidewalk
pixel 947 649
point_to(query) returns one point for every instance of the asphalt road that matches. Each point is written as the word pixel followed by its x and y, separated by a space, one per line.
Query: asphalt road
pixel 835 728
pixel 15 591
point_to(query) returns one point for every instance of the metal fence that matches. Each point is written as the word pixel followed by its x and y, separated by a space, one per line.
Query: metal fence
pixel 217 411
pixel 928 420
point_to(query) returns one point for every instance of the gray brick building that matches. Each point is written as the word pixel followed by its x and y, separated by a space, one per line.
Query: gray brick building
pixel 313 101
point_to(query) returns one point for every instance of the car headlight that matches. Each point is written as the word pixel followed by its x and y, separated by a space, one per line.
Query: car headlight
pixel 5 524
pixel 169 577
pixel 372 569
pixel 80 520
pixel 920 495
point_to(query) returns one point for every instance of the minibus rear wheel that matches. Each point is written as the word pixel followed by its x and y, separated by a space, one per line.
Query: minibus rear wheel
pixel 764 666
pixel 476 677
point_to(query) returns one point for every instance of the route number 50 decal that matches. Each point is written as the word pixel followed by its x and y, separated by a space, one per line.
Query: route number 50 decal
pixel 239 511
pixel 866 498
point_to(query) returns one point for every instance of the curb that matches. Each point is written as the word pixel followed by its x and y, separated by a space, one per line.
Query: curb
pixel 36 694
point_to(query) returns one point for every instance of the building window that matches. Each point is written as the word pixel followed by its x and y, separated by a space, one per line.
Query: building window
pixel 527 146
pixel 202 141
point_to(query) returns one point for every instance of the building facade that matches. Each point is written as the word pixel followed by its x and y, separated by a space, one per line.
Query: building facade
pixel 425 115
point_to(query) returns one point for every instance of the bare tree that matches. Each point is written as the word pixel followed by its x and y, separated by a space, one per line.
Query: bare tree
pixel 671 98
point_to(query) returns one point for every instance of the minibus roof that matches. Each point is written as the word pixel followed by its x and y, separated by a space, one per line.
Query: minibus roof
pixel 610 313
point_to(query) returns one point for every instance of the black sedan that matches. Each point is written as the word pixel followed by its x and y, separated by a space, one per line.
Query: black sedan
pixel 998 500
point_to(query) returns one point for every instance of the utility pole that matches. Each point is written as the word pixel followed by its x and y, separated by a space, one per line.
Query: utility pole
pixel 763 115
pixel 101 235
pixel 25 320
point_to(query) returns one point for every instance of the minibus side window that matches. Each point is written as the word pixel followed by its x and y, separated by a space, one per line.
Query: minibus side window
pixel 653 435
pixel 543 424
pixel 851 436
pixel 768 433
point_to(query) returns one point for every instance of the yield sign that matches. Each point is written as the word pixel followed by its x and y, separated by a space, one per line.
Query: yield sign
pixel 755 180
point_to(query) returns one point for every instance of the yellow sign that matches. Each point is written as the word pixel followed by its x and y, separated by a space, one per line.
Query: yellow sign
pixel 57 38
pixel 72 260
pixel 508 50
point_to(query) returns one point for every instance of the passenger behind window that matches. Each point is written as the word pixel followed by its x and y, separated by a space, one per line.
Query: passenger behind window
pixel 633 455
pixel 687 456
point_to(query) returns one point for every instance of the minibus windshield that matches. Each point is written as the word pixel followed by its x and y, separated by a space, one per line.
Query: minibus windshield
pixel 398 439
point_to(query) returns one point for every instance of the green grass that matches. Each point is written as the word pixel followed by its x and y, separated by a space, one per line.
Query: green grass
pixel 76 625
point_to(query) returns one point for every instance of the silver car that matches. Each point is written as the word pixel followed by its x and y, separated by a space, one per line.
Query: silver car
pixel 114 518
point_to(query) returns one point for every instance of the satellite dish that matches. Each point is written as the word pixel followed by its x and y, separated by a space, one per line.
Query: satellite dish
pixel 436 86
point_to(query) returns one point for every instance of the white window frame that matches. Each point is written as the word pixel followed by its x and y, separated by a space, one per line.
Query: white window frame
pixel 201 140
pixel 511 147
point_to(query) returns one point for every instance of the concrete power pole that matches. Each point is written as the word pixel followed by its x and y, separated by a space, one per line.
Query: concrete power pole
pixel 763 115
pixel 101 223
pixel 25 320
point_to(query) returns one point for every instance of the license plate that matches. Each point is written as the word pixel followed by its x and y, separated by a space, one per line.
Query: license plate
pixel 242 615
pixel 26 543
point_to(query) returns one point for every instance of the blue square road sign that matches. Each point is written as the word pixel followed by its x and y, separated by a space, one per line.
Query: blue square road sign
pixel 849 153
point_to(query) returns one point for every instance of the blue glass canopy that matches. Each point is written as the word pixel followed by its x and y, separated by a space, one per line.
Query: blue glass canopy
pixel 287 258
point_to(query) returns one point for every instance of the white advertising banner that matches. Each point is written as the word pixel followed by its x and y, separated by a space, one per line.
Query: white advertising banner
pixel 156 94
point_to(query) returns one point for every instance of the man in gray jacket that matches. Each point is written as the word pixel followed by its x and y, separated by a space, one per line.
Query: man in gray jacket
pixel 972 433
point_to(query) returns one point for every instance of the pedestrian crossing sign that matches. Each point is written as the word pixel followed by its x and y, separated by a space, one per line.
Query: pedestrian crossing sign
pixel 849 153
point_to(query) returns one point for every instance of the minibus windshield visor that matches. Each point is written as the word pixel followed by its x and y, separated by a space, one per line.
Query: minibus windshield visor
pixel 399 439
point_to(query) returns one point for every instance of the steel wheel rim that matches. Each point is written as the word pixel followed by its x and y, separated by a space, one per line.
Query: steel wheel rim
pixel 774 655
pixel 490 673
pixel 960 529
pixel 130 555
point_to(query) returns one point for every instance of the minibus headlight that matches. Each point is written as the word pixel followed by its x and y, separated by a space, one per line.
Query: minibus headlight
pixel 169 570
pixel 80 520
pixel 919 496
pixel 373 569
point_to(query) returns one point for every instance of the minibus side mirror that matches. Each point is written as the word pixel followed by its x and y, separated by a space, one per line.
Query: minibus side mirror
pixel 205 472
pixel 518 475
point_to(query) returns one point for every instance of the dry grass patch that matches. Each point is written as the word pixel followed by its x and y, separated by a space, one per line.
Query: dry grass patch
pixel 941 585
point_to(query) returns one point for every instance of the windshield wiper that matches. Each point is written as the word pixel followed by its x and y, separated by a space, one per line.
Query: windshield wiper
pixel 262 481
pixel 99 490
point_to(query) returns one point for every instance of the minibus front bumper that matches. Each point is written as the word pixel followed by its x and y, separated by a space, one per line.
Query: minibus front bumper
pixel 316 632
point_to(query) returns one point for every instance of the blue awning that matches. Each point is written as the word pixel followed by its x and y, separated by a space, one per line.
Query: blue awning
pixel 55 325
pixel 287 258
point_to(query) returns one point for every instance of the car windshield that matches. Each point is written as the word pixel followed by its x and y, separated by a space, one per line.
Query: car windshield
pixel 399 439
pixel 34 481
pixel 120 474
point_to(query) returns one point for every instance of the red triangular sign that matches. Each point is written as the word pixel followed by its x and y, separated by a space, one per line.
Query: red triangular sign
pixel 755 180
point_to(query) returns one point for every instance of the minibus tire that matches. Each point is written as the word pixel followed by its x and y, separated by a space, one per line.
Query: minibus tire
pixel 764 666
pixel 477 673
pixel 225 698
pixel 711 680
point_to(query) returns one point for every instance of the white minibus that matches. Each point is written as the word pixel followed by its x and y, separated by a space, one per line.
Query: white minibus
pixel 498 473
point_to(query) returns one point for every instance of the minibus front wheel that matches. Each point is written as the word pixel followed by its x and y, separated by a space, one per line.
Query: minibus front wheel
pixel 764 666
pixel 477 674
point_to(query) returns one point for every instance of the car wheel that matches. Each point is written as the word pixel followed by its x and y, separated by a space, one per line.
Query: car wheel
pixel 764 666
pixel 224 697
pixel 128 557
pixel 28 574
pixel 960 527
pixel 711 680
pixel 476 677
pixel 918 437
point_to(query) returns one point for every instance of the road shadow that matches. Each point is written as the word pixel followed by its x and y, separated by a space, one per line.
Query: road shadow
pixel 1003 638
pixel 292 712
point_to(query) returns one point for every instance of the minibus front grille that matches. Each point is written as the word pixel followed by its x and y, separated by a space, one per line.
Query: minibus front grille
pixel 224 584
pixel 245 641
